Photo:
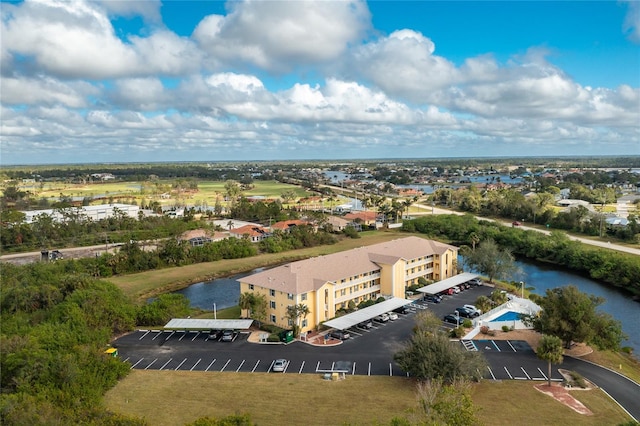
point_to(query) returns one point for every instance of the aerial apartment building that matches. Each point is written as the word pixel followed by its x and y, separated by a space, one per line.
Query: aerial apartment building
pixel 328 283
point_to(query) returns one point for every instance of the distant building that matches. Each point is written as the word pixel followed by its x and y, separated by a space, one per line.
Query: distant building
pixel 95 213
pixel 255 233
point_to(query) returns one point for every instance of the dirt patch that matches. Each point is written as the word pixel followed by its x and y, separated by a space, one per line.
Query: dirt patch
pixel 561 394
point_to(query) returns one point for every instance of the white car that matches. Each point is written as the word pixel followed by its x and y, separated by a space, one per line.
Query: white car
pixel 382 318
pixel 392 316
pixel 472 308
pixel 279 365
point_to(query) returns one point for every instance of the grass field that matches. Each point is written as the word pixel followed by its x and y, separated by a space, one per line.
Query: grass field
pixel 177 397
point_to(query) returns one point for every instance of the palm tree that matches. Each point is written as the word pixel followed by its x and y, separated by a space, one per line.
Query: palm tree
pixel 475 239
pixel 294 312
pixel 550 350
pixel 246 302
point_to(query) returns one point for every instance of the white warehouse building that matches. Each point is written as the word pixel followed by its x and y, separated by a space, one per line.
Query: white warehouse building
pixel 94 213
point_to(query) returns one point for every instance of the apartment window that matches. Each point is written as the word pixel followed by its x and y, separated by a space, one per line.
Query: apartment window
pixel 343 292
pixel 272 304
pixel 250 286
pixel 304 323
pixel 304 296
pixel 272 318
pixel 272 293
pixel 290 322
pixel 290 296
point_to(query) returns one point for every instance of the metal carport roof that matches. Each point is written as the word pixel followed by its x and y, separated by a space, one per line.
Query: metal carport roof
pixel 448 283
pixel 349 320
pixel 208 324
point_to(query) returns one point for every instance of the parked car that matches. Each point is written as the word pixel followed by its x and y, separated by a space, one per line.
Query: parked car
pixel 279 365
pixel 515 223
pixel 55 255
pixel 228 335
pixel 339 334
pixel 452 319
pixel 473 308
pixel 433 298
pixel 447 292
pixel 456 289
pixel 382 318
pixel 366 325
pixel 403 310
pixel 392 316
pixel 465 286
pixel 466 313
pixel 475 282
pixel 214 334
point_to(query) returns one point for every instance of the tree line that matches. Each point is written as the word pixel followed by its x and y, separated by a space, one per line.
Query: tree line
pixel 607 266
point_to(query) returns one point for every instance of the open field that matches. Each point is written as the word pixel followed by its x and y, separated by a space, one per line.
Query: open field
pixel 177 397
pixel 145 284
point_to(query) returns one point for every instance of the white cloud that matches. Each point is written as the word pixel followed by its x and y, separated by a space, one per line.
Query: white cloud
pixel 280 36
pixel 631 25
pixel 45 90
pixel 77 40
pixel 403 64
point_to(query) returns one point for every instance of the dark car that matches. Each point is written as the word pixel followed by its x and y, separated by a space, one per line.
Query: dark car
pixel 466 313
pixel 452 319
pixel 214 334
pixel 366 325
pixel 403 310
pixel 339 334
pixel 228 335
pixel 433 298
pixel 515 223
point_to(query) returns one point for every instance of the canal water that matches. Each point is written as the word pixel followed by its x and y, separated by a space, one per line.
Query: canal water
pixel 224 292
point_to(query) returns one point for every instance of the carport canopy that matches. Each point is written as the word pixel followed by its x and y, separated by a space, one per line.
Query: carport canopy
pixel 349 320
pixel 448 283
pixel 208 324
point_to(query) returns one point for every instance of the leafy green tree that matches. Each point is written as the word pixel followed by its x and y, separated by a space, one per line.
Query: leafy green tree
pixel 550 350
pixel 294 313
pixel 246 301
pixel 445 404
pixel 430 355
pixel 490 260
pixel 572 316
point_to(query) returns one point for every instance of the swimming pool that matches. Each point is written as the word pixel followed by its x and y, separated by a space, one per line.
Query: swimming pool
pixel 507 316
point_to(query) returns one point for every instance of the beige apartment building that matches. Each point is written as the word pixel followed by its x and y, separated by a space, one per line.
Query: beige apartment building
pixel 328 283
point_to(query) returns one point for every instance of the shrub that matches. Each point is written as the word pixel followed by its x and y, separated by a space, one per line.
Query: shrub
pixel 467 323
pixel 506 328
pixel 457 332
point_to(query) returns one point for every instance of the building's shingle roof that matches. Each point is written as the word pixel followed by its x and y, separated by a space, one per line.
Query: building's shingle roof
pixel 310 274
pixel 251 230
pixel 286 224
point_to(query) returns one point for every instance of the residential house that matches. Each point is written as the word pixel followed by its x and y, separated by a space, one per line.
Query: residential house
pixel 326 284
pixel 255 233
pixel 286 225
pixel 367 218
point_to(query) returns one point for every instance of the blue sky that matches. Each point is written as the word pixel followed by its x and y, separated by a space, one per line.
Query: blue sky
pixel 106 81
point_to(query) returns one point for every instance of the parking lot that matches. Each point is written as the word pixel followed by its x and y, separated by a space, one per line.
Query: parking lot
pixel 365 352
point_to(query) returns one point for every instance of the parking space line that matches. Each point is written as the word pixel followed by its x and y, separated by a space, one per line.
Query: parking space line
pixel 255 366
pixel 286 366
pixel 209 366
pixel 355 332
pixel 525 373
pixel 496 346
pixel 127 359
pixel 271 366
pixel 332 365
pixel 514 349
pixel 180 365
pixel 150 364
pixel 169 336
pixel 318 366
pixel 491 371
pixel 353 370
pixel 182 337
pixel 165 364
pixel 369 370
pixel 225 365
pixel 158 332
pixel 301 367
pixel 510 376
pixel 544 376
pixel 144 335
pixel 194 337
pixel 134 365
pixel 240 366
pixel 194 365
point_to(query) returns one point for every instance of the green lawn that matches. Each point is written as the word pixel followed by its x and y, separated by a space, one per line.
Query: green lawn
pixel 176 397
